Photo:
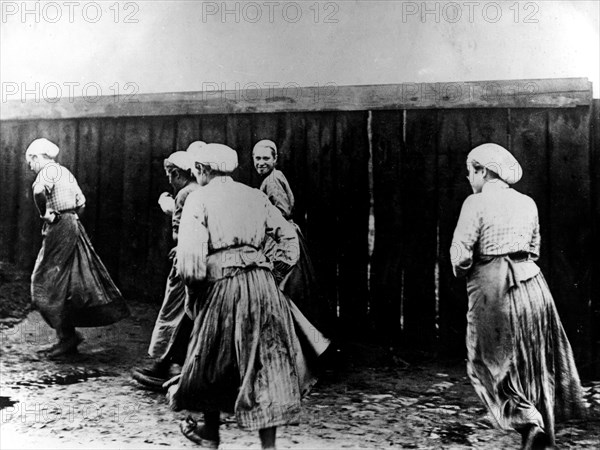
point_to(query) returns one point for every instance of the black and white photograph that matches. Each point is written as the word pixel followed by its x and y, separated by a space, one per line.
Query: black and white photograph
pixel 306 224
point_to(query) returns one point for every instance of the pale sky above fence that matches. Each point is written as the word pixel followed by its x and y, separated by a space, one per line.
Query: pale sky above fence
pixel 69 48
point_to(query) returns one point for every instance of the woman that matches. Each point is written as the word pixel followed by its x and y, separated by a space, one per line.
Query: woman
pixel 241 354
pixel 519 358
pixel 69 285
pixel 300 284
pixel 173 327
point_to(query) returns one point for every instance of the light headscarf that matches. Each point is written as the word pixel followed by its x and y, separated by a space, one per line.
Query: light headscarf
pixel 181 160
pixel 219 157
pixel 42 146
pixel 266 143
pixel 496 158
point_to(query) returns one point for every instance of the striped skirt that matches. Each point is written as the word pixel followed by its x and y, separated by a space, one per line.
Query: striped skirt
pixel 241 355
pixel 520 361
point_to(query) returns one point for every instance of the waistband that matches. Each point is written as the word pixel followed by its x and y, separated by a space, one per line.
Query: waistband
pixel 516 256
pixel 223 262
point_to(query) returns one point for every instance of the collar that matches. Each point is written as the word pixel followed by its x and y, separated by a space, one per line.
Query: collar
pixel 494 185
pixel 221 178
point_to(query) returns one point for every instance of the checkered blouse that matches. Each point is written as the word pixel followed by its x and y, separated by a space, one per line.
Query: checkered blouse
pixel 62 190
pixel 497 221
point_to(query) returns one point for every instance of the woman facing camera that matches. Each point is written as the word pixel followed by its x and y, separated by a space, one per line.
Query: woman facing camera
pixel 520 361
pixel 300 284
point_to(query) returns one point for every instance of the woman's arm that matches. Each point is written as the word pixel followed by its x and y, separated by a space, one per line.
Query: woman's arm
pixel 465 237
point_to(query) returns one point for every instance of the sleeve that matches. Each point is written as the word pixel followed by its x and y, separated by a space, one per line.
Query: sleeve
pixel 192 245
pixel 79 198
pixel 275 190
pixel 287 249
pixel 535 244
pixel 465 237
pixel 177 211
pixel 45 180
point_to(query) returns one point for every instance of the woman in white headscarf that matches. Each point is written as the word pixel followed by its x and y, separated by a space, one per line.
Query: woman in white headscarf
pixel 242 353
pixel 300 283
pixel 520 361
pixel 69 286
pixel 172 328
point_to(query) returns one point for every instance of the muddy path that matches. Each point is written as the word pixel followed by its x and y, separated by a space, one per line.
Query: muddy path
pixel 91 401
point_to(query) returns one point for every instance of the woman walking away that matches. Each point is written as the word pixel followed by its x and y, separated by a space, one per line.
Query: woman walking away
pixel 69 285
pixel 241 353
pixel 173 327
pixel 519 358
pixel 300 285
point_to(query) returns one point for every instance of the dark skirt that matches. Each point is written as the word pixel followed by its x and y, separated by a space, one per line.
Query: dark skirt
pixel 241 356
pixel 301 286
pixel 520 361
pixel 70 286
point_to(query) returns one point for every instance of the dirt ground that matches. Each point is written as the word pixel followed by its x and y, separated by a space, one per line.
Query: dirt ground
pixel 91 401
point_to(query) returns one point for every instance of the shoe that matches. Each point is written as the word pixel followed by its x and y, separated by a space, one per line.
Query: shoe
pixel 153 376
pixel 190 429
pixel 66 346
pixel 47 348
pixel 536 439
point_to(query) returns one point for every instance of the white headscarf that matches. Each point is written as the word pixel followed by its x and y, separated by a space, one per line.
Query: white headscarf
pixel 182 160
pixel 496 158
pixel 42 146
pixel 266 143
pixel 218 156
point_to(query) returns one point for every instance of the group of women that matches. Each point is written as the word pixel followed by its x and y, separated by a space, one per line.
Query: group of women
pixel 240 266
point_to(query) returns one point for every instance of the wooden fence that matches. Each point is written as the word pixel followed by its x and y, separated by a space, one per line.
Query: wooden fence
pixel 397 152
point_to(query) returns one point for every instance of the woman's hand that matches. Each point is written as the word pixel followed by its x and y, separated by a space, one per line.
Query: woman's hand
pixel 166 203
pixel 50 216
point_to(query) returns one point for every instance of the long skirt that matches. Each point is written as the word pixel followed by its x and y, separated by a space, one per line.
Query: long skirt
pixel 520 361
pixel 172 329
pixel 70 286
pixel 301 286
pixel 241 356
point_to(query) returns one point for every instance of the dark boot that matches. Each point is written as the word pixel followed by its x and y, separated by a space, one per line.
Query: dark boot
pixel 152 376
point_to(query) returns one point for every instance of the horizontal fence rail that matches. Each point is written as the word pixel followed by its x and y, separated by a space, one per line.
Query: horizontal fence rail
pixel 397 174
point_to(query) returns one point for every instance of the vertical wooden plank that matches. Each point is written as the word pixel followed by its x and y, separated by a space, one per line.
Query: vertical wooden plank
pixel 213 128
pixel 570 225
pixel 386 266
pixel 419 236
pixel 321 211
pixel 188 131
pixel 136 203
pixel 453 147
pixel 297 164
pixel 160 241
pixel 595 191
pixel 88 148
pixel 29 225
pixel 239 137
pixel 67 142
pixel 12 151
pixel 352 201
pixel 110 195
pixel 489 125
pixel 528 143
